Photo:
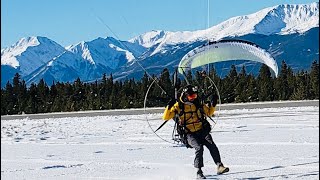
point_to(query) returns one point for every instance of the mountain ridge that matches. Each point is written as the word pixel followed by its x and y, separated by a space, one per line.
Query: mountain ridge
pixel 37 57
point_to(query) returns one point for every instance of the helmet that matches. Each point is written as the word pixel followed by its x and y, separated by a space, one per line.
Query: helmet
pixel 189 89
pixel 190 92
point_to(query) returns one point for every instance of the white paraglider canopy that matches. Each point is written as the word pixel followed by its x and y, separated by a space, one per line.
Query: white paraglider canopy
pixel 227 50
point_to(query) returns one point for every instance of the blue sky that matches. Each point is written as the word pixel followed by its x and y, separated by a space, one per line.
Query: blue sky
pixel 69 22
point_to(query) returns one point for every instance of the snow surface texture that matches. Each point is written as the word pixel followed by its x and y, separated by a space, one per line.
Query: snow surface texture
pixel 269 143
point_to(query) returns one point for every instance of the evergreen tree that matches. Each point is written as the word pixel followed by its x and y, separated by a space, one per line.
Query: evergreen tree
pixel 104 79
pixel 115 97
pixel 68 97
pixel 105 92
pixel 3 102
pixel 314 80
pixel 126 94
pixel 265 84
pixel 42 95
pixel 291 82
pixel 15 92
pixel 282 84
pixel 109 83
pixel 145 82
pixel 92 96
pixel 241 89
pixel 153 93
pixel 59 103
pixel 301 89
pixel 214 76
pixel 53 93
pixel 252 89
pixel 189 78
pixel 79 96
pixel 23 96
pixel 229 84
pixel 109 94
pixel 165 81
pixel 19 94
pixel 203 83
pixel 200 79
pixel 8 99
pixel 163 90
pixel 33 100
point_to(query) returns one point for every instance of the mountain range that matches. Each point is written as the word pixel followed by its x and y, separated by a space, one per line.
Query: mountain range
pixel 289 32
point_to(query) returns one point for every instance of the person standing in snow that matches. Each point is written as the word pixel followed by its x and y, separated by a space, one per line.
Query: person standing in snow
pixel 192 115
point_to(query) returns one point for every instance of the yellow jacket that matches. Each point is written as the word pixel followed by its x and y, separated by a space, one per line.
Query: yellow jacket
pixel 193 123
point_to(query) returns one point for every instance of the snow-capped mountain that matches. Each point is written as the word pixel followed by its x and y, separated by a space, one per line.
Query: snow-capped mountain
pixel 150 39
pixel 87 60
pixel 30 53
pixel 288 31
pixel 106 52
pixel 281 19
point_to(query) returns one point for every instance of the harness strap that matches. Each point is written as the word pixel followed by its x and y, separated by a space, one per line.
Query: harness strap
pixel 183 113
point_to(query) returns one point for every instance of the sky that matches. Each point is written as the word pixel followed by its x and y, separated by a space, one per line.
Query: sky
pixel 69 22
pixel 266 143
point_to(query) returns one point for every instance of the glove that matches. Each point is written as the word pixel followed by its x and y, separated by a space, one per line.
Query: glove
pixel 171 103
pixel 214 100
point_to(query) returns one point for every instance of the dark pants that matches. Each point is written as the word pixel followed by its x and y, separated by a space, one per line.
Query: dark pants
pixel 197 140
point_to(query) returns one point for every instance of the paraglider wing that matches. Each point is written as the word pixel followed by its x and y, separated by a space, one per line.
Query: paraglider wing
pixel 227 50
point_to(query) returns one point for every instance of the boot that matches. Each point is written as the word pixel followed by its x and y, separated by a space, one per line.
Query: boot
pixel 221 169
pixel 200 174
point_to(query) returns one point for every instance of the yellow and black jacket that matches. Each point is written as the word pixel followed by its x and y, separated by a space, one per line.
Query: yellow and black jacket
pixel 191 114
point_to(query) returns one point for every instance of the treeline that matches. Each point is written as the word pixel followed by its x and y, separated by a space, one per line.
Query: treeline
pixel 17 98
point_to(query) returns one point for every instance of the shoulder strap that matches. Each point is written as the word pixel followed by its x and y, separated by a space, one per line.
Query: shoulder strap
pixel 182 113
pixel 181 107
pixel 199 106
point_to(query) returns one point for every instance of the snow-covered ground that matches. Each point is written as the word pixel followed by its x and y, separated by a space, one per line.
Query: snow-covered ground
pixel 268 143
